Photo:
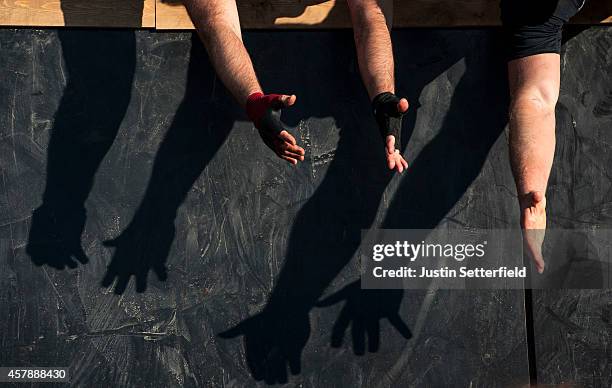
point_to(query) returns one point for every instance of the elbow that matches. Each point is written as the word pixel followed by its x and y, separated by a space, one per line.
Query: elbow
pixel 535 102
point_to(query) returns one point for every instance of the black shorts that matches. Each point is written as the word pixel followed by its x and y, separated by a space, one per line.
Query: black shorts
pixel 534 26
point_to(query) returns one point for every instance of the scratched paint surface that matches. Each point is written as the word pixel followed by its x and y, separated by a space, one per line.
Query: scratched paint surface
pixel 574 328
pixel 129 137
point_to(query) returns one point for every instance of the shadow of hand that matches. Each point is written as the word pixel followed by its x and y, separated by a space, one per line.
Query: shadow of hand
pixel 55 237
pixel 363 310
pixel 272 341
pixel 138 250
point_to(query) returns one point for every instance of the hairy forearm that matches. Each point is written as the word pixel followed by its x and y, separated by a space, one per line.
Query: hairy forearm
pixel 218 26
pixel 373 43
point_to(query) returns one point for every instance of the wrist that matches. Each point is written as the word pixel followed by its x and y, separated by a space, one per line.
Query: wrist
pixel 253 106
pixel 388 115
pixel 383 98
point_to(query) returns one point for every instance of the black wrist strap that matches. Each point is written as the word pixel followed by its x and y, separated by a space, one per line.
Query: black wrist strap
pixel 388 117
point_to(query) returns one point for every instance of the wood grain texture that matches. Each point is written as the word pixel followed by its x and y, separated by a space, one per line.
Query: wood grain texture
pixel 78 13
pixel 170 14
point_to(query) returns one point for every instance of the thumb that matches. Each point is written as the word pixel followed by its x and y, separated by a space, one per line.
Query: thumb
pixel 329 301
pixel 280 101
pixel 402 105
pixel 339 296
pixel 288 100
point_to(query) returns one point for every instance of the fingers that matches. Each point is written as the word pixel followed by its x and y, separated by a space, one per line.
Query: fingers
pixel 287 137
pixel 81 256
pixel 161 272
pixel 373 331
pixel 70 263
pixel 141 281
pixel 340 327
pixel 108 279
pixel 291 157
pixel 279 375
pixel 532 241
pixel 390 144
pixel 391 162
pixel 288 159
pixel 402 106
pixel 358 334
pixel 339 296
pixel 291 153
pixel 122 283
pixel 390 147
pixel 292 147
pixel 295 363
pixel 539 263
pixel 287 148
pixel 396 161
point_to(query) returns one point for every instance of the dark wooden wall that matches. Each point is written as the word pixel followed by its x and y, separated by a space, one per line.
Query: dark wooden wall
pixel 130 137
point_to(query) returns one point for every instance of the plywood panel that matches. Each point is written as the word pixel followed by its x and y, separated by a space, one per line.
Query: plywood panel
pixel 273 14
pixel 136 127
pixel 333 14
pixel 78 13
pixel 573 327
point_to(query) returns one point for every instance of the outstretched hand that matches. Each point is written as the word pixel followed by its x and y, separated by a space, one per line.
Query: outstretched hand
pixel 265 111
pixel 395 160
pixel 388 111
pixel 273 342
pixel 139 250
pixel 533 224
pixel 363 310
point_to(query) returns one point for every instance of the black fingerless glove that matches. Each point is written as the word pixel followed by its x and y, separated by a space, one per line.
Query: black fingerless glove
pixel 388 117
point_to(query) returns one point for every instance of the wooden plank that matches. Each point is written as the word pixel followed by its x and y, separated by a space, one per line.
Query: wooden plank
pixel 170 14
pixel 273 14
pixel 78 13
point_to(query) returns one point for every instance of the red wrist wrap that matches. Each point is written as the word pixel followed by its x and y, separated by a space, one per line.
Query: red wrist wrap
pixel 258 103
